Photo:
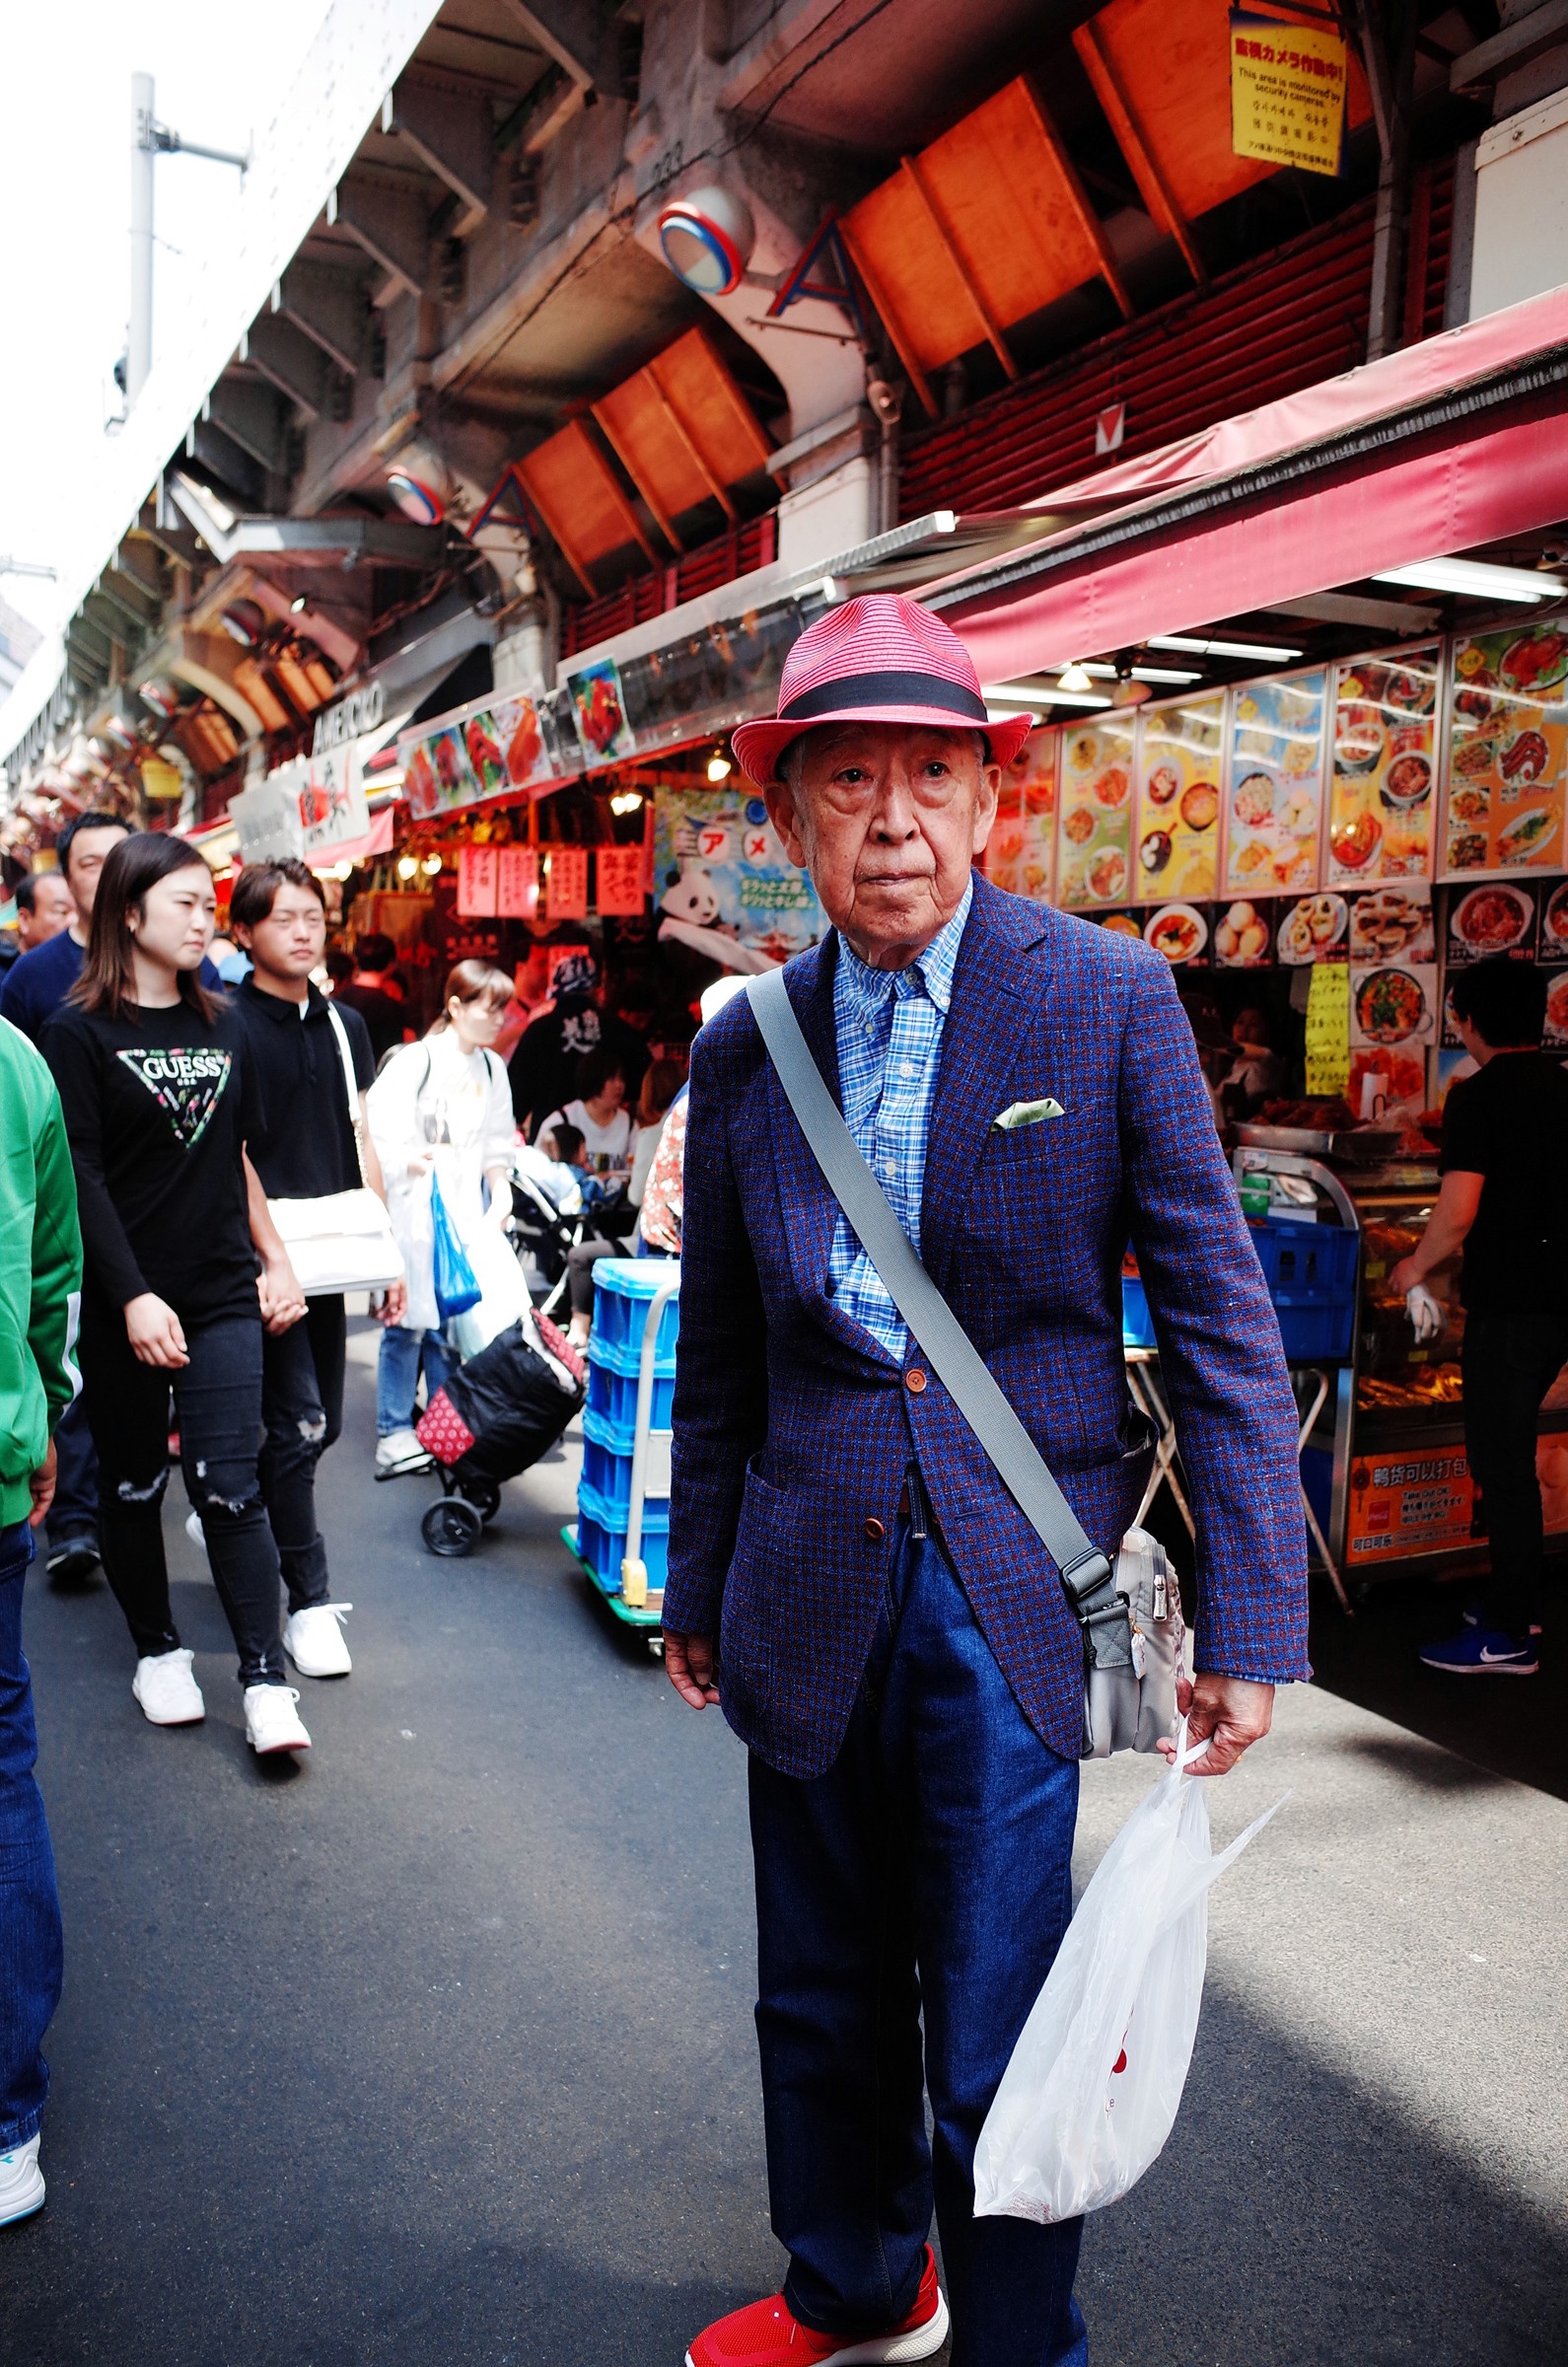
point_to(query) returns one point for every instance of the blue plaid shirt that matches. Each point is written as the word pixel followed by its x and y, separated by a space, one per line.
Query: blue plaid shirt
pixel 889 1024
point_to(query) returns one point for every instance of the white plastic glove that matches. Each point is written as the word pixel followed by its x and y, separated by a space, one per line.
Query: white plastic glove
pixel 1425 1312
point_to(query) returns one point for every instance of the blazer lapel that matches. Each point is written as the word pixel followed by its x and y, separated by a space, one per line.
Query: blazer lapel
pixel 810 1208
pixel 983 1041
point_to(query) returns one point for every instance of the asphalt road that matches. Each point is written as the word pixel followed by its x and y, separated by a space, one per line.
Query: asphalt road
pixel 438 2045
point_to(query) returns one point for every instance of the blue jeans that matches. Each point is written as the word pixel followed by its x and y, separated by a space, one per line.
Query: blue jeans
pixel 930 1868
pixel 398 1375
pixel 29 1903
pixel 74 1511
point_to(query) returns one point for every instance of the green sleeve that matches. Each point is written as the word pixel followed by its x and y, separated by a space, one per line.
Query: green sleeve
pixel 56 1262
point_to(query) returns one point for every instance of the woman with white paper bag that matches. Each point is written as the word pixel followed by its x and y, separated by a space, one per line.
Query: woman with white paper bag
pixel 1090 2095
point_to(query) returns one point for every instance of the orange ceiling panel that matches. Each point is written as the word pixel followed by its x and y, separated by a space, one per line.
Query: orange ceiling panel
pixel 984 226
pixel 574 488
pixel 682 429
pixel 1167 63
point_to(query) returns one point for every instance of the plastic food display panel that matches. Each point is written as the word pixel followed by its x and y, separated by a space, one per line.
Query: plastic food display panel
pixel 1095 842
pixel 1022 855
pixel 1384 767
pixel 1275 800
pixel 1508 751
pixel 1179 770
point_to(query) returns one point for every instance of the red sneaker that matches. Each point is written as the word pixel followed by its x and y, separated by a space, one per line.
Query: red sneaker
pixel 769 2335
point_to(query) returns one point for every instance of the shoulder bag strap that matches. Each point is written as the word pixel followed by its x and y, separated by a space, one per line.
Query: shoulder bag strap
pixel 1086 1574
pixel 345 1053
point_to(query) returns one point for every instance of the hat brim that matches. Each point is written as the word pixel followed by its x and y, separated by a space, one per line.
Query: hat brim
pixel 759 746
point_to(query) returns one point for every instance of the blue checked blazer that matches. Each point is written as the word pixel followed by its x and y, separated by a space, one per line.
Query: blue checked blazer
pixel 792 1430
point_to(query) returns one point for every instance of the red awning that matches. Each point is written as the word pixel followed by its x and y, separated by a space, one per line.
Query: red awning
pixel 378 840
pixel 1456 443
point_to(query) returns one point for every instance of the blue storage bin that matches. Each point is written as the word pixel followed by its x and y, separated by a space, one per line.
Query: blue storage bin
pixel 602 1537
pixel 607 1463
pixel 1137 1324
pixel 612 1397
pixel 1310 1273
pixel 622 1288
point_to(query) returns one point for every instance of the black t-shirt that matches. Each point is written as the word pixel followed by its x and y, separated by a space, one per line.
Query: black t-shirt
pixel 1509 1122
pixel 544 1068
pixel 383 1015
pixel 157 1107
pixel 302 1135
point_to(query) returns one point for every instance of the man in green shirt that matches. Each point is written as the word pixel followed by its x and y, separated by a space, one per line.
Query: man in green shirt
pixel 40 1283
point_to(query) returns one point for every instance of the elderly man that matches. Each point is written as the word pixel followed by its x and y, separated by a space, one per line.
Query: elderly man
pixel 848 1575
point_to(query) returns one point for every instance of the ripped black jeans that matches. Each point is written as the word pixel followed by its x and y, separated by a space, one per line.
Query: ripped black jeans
pixel 218 1407
pixel 301 1406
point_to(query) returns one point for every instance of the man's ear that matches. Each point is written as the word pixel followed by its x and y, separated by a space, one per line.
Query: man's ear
pixel 986 799
pixel 779 799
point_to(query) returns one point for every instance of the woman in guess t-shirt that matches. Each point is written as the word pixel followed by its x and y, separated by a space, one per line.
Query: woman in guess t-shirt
pixel 152 1077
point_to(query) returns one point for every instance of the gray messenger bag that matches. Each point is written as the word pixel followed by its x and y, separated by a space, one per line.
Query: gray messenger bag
pixel 1129 1611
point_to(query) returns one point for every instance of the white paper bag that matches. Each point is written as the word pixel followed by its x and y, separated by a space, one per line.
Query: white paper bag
pixel 1088 2098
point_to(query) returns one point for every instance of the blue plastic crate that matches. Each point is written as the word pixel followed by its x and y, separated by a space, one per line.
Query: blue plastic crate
pixel 1311 1273
pixel 612 1397
pixel 607 1463
pixel 602 1537
pixel 623 1289
pixel 1137 1324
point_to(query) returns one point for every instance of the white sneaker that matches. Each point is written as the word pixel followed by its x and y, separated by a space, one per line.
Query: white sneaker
pixel 167 1690
pixel 20 2183
pixel 313 1638
pixel 195 1532
pixel 398 1451
pixel 271 1721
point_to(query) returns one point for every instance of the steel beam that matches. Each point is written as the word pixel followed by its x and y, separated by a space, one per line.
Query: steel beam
pixel 452 132
pixel 572 31
pixel 250 415
pixel 295 365
pixel 392 228
pixel 331 308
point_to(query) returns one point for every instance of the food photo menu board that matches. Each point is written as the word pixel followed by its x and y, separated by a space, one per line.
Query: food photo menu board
pixel 1180 753
pixel 1508 751
pixel 1276 792
pixel 1384 767
pixel 1095 849
pixel 1393 997
pixel 1022 853
pixel 1525 919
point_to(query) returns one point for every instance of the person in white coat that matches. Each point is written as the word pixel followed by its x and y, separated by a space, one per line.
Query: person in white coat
pixel 441 1111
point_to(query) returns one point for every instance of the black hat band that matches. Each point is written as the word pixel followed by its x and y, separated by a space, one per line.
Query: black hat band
pixel 891 689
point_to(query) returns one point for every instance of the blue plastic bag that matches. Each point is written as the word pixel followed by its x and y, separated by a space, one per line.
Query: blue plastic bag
pixel 457 1286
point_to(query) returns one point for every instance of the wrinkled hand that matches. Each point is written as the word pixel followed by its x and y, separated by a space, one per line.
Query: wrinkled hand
pixel 155 1333
pixel 690 1667
pixel 393 1303
pixel 41 1487
pixel 1230 1712
pixel 282 1300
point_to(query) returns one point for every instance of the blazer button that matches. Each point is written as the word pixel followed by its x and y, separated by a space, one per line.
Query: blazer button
pixel 875 1529
pixel 914 1379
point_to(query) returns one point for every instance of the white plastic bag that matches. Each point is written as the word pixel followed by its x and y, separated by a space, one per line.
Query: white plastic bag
pixel 1088 2098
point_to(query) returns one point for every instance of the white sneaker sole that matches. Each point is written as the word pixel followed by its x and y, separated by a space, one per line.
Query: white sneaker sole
pixel 888 2351
pixel 344 1668
pixel 27 2200
pixel 186 1717
pixel 277 1749
pixel 1489 1668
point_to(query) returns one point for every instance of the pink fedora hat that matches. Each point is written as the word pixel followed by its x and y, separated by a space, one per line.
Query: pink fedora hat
pixel 880 659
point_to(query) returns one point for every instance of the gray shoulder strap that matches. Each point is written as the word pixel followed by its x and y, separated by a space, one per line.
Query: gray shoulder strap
pixel 943 1338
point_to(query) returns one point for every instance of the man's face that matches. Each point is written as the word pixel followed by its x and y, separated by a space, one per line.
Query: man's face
pixel 89 851
pixel 287 943
pixel 52 909
pixel 888 818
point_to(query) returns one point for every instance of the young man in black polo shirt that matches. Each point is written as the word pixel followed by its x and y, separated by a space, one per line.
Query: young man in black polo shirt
pixel 304 1149
pixel 1505 1155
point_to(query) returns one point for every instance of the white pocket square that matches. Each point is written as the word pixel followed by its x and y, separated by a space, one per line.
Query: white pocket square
pixel 1025 1113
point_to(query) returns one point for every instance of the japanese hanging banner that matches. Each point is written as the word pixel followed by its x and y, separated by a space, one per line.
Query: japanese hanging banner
pixel 1288 87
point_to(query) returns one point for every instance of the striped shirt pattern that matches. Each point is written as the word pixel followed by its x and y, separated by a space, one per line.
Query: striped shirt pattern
pixel 889 1025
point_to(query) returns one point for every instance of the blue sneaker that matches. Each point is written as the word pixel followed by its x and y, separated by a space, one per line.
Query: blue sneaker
pixel 1471 1615
pixel 1482 1652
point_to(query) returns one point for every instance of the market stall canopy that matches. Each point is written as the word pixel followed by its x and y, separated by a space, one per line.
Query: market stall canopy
pixel 1454 443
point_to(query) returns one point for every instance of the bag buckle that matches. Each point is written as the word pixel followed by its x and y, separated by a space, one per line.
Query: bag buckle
pixel 1102 1613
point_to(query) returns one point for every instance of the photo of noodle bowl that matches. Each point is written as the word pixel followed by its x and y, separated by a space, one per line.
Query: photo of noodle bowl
pixel 1492 921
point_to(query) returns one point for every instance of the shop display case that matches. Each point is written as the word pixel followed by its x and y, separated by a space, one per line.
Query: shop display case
pixel 1384 1467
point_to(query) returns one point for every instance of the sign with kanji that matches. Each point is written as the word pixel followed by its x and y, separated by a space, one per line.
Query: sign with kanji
pixel 566 871
pixel 621 889
pixel 476 883
pixel 518 883
pixel 1288 86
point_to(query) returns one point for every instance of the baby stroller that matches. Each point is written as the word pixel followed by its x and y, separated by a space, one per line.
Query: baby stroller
pixel 549 1233
pixel 495 1417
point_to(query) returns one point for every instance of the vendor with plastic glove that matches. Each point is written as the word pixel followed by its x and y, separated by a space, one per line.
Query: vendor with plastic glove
pixel 1505 1154
pixel 848 1577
